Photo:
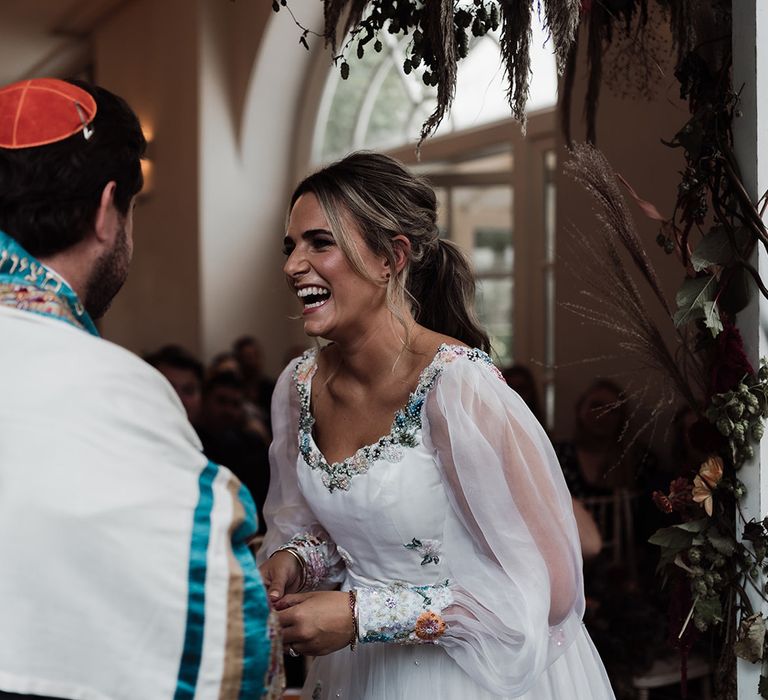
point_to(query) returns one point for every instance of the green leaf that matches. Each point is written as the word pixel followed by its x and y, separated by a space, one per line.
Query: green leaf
pixel 750 639
pixel 672 541
pixel 671 538
pixel 753 531
pixel 693 525
pixel 712 318
pixel 722 543
pixel 691 298
pixel 710 609
pixel 715 248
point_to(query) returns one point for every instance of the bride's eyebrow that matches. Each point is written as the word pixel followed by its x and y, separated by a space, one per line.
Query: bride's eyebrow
pixel 307 235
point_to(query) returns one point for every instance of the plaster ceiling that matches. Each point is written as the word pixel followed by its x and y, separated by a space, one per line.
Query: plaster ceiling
pixel 36 36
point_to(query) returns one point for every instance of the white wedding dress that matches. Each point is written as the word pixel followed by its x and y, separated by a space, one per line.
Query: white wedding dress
pixel 457 532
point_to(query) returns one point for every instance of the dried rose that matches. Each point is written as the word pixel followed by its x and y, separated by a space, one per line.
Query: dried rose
pixel 680 493
pixel 706 481
pixel 662 502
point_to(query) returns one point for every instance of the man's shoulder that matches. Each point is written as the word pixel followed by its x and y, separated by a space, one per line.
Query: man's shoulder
pixel 58 354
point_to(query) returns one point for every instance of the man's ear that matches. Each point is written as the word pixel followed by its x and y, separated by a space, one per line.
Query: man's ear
pixel 104 225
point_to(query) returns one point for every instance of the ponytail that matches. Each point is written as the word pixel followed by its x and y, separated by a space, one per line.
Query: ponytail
pixel 443 288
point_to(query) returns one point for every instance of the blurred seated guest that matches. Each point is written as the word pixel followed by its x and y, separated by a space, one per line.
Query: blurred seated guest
pixel 185 374
pixel 223 362
pixel 622 614
pixel 520 378
pixel 258 386
pixel 598 459
pixel 223 430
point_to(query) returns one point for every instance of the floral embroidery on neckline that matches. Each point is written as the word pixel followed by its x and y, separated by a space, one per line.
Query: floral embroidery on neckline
pixel 405 426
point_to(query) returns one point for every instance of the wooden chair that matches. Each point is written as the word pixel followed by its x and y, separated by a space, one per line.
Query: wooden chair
pixel 666 672
pixel 614 516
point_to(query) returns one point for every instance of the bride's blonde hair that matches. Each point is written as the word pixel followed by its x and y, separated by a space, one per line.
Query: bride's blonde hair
pixel 378 196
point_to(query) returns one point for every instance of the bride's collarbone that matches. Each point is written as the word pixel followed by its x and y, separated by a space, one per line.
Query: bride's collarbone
pixel 346 422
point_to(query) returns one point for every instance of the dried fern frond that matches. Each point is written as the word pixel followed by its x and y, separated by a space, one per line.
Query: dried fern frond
pixel 434 20
pixel 589 167
pixel 333 11
pixel 439 26
pixel 611 297
pixel 562 19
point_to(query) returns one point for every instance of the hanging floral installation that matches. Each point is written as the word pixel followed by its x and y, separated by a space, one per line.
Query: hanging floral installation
pixel 440 32
pixel 711 555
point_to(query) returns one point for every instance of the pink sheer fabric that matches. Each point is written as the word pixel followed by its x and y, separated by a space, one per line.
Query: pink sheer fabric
pixel 518 593
pixel 286 511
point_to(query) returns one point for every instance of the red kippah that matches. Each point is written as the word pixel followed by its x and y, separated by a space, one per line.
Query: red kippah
pixel 41 111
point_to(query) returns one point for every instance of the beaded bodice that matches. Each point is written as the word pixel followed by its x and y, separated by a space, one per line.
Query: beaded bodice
pixel 405 425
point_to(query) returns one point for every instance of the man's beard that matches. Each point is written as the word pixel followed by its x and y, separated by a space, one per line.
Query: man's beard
pixel 108 275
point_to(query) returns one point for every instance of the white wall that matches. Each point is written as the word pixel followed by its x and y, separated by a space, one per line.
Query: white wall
pixel 147 53
pixel 245 181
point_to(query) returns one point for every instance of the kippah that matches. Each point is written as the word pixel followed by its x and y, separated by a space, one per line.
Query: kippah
pixel 43 110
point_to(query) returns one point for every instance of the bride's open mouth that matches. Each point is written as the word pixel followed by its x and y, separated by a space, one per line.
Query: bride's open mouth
pixel 313 297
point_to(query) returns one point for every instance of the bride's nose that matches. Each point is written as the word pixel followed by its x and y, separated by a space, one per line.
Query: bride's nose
pixel 296 264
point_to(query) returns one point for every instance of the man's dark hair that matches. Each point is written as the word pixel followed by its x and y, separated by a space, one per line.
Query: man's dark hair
pixel 49 194
pixel 177 357
pixel 243 342
pixel 227 380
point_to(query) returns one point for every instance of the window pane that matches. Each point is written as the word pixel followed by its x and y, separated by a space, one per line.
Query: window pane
pixel 339 128
pixel 494 307
pixel 481 223
pixel 392 108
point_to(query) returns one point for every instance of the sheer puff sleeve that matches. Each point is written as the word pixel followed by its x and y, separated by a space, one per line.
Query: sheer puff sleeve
pixel 291 524
pixel 513 555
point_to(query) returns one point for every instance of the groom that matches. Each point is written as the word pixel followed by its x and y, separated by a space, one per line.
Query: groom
pixel 124 564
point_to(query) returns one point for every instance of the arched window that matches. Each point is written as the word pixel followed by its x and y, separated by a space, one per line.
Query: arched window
pixel 495 186
pixel 379 106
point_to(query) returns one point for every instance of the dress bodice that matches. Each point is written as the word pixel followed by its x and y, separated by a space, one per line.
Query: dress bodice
pixel 393 518
pixel 390 495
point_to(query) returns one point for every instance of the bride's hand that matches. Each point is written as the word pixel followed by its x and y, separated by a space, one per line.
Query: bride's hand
pixel 316 623
pixel 281 574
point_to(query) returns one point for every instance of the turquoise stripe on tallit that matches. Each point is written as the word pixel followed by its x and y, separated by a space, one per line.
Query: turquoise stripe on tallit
pixel 189 667
pixel 256 645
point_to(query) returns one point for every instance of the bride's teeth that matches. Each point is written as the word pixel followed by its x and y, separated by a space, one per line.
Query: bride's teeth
pixel 308 291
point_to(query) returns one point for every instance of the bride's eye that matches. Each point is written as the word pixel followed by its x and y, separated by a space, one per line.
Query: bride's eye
pixel 322 242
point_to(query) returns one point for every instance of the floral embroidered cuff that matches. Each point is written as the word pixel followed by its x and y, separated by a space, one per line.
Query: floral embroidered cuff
pixel 402 614
pixel 316 555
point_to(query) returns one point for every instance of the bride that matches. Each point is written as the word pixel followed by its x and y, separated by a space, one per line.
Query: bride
pixel 421 539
